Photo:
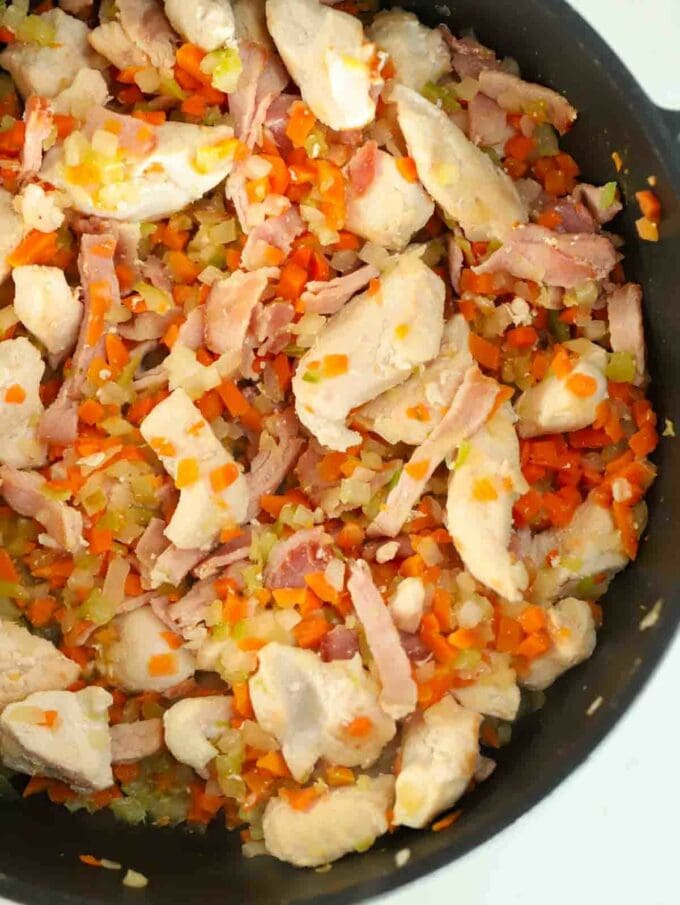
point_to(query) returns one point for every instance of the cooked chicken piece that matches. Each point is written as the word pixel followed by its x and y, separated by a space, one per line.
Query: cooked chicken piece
pixel 461 178
pixel 369 346
pixel 207 23
pixel 133 741
pixel 135 171
pixel 25 493
pixel 568 401
pixel 588 550
pixel 192 725
pixel 438 759
pixel 398 692
pixel 145 656
pixel 47 69
pixel 60 734
pixel 12 231
pixel 326 53
pixel 39 209
pixel 251 22
pixel 144 22
pixel 495 693
pixel 407 603
pixel 48 307
pixel 419 54
pixel 384 205
pixel 29 663
pixel 213 490
pixel 572 631
pixel 110 40
pixel 342 820
pixel 309 706
pixel 21 370
pixel 483 487
pixel 87 89
pixel 410 412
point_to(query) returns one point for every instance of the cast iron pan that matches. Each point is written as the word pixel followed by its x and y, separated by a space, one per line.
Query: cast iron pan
pixel 40 843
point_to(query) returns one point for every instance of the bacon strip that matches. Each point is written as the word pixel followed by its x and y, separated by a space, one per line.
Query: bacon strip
pixel 38 118
pixel 399 693
pixel 517 96
pixel 470 408
pixel 626 329
pixel 328 297
pixel 24 492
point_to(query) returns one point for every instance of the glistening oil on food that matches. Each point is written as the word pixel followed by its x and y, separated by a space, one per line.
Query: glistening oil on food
pixel 322 414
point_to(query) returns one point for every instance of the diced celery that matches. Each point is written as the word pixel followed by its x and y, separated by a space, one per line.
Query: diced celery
pixel 35 30
pixel 546 140
pixel 224 68
pixel 467 660
pixel 607 196
pixel 97 608
pixel 585 294
pixel 315 144
pixel 129 810
pixel 621 367
pixel 442 96
pixel 156 299
pixel 463 453
pixel 558 328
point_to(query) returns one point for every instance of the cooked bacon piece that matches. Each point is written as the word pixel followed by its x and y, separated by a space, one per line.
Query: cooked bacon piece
pixel 339 644
pixel 228 310
pixel 233 551
pixel 328 297
pixel 133 741
pixel 299 555
pixel 38 118
pixel 517 96
pixel 626 329
pixel 469 410
pixel 487 122
pixel 592 197
pixel 362 168
pixel 279 448
pixel 399 693
pixel 567 260
pixel 24 492
pixel 261 81
pixel 468 56
pixel 278 232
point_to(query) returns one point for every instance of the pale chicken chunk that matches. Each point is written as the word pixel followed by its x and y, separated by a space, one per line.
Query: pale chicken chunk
pixel 410 412
pixel 419 54
pixel 46 70
pixel 461 178
pixel 111 41
pixel 122 169
pixel 60 734
pixel 88 88
pixel 495 693
pixel 588 550
pixel 29 663
pixel 571 628
pixel 326 53
pixel 192 725
pixel 308 706
pixel 567 402
pixel 390 208
pixel 342 820
pixel 207 23
pixel 144 657
pixel 483 487
pixel 47 306
pixel 21 370
pixel 438 758
pixel 369 346
pixel 11 231
pixel 213 490
pixel 407 603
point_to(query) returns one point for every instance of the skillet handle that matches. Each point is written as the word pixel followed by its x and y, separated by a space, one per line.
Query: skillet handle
pixel 672 120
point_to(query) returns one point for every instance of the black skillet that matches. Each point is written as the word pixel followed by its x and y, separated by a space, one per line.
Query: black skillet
pixel 40 843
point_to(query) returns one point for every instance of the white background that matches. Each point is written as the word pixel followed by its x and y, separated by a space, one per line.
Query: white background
pixel 610 832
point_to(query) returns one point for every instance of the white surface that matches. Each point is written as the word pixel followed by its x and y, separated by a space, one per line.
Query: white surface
pixel 609 832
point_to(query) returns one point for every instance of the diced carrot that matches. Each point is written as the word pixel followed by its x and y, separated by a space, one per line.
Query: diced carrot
pixel 644 441
pixel 445 822
pixel 274 503
pixel 532 619
pixel 126 772
pixel 189 58
pixel 283 371
pixel 91 411
pixel 101 539
pixel 273 763
pixel 484 491
pixel 117 354
pixel 441 607
pixel 133 585
pixel 182 269
pixel 334 365
pixel 7 570
pixel 582 385
pixel 90 860
pixel 417 470
pixel 360 727
pixel 162 665
pixel 309 632
pixel 172 640
pixel 484 352
pixel 242 703
pixel 347 242
pixel 194 105
pixel 625 522
pixel 12 139
pixel 301 121
pixel 238 405
pixel 407 168
pixel 339 776
pixel 292 281
pixel 521 337
pixel 153 117
pixel 40 611
pixel 551 219
pixel 350 537
pixel 519 146
pixel 223 477
pixel 36 248
pixel 478 283
pixel 509 634
pixel 534 645
pixel 320 585
pixel 561 365
pixel 187 473
pixel 649 205
pixel 300 799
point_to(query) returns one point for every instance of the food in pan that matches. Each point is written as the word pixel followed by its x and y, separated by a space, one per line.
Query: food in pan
pixel 323 422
